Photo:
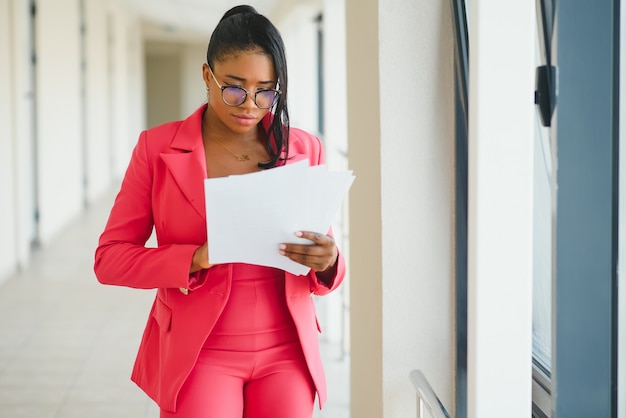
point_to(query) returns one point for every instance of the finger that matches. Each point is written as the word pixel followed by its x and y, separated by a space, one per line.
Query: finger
pixel 301 249
pixel 316 263
pixel 316 237
pixel 315 256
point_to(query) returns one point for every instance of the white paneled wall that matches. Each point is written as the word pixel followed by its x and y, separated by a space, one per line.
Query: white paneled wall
pixel 16 128
pixel 127 86
pixel 59 117
pixel 22 113
pixel 63 146
pixel 98 106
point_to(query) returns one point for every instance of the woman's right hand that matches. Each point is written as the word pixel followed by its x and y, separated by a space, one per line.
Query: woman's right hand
pixel 200 259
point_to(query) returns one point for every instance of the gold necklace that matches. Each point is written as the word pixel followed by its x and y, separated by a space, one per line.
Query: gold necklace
pixel 242 157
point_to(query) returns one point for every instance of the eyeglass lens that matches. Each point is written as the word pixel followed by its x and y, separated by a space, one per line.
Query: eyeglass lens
pixel 234 96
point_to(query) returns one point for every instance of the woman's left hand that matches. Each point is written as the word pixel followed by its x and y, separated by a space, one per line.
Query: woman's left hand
pixel 319 256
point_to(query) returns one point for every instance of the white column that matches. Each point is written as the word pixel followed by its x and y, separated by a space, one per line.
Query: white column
pixel 98 129
pixel 8 256
pixel 417 175
pixel 364 142
pixel 127 80
pixel 23 98
pixel 500 208
pixel 336 305
pixel 401 148
pixel 59 117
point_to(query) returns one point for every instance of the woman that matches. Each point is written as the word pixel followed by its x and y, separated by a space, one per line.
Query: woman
pixel 226 340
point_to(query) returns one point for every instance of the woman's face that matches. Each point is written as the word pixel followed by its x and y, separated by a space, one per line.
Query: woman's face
pixel 252 70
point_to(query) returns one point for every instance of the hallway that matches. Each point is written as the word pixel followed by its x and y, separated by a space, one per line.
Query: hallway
pixel 68 343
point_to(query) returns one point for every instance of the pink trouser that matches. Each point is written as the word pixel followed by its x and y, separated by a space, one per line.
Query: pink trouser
pixel 252 364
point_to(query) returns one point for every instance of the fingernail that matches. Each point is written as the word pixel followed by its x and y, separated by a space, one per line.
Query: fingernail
pixel 299 234
pixel 282 247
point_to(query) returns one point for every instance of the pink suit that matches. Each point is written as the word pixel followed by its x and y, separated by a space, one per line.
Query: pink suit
pixel 163 188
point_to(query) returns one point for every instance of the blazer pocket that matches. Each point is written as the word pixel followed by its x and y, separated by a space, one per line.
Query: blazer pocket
pixel 163 315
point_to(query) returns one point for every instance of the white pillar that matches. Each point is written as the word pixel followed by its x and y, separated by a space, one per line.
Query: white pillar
pixel 98 106
pixel 500 208
pixel 336 305
pixel 59 116
pixel 364 142
pixel 401 147
pixel 8 256
pixel 127 79
pixel 23 104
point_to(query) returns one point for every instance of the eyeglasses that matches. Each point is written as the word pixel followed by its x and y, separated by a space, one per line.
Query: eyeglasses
pixel 236 95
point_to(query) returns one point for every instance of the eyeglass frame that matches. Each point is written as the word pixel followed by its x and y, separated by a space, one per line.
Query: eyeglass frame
pixel 245 97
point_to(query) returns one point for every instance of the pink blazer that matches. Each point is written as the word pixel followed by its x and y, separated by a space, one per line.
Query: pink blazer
pixel 163 189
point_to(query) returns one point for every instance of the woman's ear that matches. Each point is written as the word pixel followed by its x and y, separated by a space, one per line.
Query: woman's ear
pixel 206 75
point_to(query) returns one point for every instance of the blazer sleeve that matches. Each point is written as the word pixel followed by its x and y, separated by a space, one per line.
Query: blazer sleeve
pixel 121 257
pixel 319 288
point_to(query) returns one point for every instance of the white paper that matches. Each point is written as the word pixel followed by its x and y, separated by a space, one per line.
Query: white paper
pixel 249 216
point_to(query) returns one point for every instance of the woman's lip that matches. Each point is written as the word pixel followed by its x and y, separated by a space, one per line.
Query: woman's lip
pixel 245 119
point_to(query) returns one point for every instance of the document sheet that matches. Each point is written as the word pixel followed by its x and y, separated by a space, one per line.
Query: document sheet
pixel 250 215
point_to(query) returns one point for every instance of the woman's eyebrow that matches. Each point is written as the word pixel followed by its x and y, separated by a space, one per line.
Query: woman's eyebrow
pixel 234 77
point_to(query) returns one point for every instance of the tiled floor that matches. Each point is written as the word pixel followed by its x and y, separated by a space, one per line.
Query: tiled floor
pixel 67 343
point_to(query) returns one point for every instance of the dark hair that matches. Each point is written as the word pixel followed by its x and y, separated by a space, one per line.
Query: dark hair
pixel 243 29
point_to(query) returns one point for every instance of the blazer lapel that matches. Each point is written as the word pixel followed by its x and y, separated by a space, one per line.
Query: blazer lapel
pixel 187 161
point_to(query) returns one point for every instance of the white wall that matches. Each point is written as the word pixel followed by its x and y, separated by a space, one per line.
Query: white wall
pixel 115 92
pixel 59 124
pixel 335 108
pixel 80 139
pixel 337 308
pixel 417 161
pixel 8 260
pixel 175 87
pixel 500 212
pixel 127 86
pixel 21 112
pixel 163 80
pixel 99 167
pixel 74 168
pixel 400 136
pixel 136 88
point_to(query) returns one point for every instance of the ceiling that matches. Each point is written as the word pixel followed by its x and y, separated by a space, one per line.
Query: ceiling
pixel 189 20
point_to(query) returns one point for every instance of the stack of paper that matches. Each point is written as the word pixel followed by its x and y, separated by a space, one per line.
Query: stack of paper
pixel 249 216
